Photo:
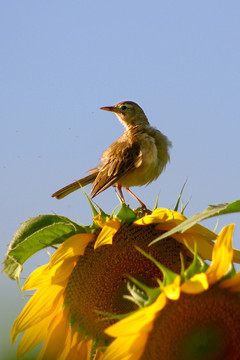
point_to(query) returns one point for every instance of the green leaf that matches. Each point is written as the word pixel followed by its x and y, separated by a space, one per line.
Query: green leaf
pixel 212 210
pixel 36 234
pixel 137 296
pixel 125 213
pixel 94 211
pixel 151 293
pixel 93 348
pixel 156 203
pixel 180 196
pixel 197 266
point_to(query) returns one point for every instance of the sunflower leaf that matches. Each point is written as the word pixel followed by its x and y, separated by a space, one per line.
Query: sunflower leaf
pixel 179 197
pixel 196 266
pixel 94 211
pixel 156 203
pixel 35 234
pixel 93 349
pixel 137 296
pixel 212 210
pixel 150 293
pixel 125 213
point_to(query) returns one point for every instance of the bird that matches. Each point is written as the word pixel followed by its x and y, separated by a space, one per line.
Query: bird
pixel 137 158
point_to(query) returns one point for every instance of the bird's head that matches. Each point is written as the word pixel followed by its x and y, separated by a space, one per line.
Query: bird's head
pixel 129 113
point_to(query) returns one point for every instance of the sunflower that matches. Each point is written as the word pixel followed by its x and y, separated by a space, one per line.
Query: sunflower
pixel 88 277
pixel 196 315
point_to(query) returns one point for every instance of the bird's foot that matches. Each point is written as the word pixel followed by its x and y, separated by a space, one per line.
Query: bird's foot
pixel 141 211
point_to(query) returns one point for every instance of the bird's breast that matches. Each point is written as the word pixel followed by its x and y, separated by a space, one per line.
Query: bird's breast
pixel 148 165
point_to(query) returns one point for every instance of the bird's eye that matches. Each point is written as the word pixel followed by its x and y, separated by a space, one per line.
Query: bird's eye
pixel 123 107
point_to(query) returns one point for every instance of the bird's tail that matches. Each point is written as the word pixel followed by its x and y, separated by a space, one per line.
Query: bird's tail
pixel 66 190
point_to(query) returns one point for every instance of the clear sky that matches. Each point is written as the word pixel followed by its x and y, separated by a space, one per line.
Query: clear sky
pixel 62 60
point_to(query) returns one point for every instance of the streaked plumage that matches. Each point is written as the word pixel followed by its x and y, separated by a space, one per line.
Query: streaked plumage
pixel 136 158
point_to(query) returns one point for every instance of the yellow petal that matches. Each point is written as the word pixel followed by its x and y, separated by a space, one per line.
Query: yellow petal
pixel 222 255
pixel 76 352
pixel 41 304
pixel 57 334
pixel 167 217
pixel 99 220
pixel 195 235
pixel 99 355
pixel 108 231
pixel 172 291
pixel 33 336
pixel 204 246
pixel 38 277
pixel 60 273
pixel 74 246
pixel 78 349
pixel 140 321
pixel 233 284
pixel 202 231
pixel 127 348
pixel 71 342
pixel 196 284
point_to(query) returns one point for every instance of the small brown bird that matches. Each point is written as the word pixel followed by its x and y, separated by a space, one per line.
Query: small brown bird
pixel 136 158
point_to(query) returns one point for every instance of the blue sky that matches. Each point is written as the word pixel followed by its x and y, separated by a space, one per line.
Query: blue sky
pixel 61 61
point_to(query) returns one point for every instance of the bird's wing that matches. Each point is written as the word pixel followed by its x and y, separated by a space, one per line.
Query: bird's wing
pixel 118 160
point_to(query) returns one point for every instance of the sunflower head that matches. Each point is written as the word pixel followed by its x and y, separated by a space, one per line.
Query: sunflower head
pixel 195 315
pixel 97 269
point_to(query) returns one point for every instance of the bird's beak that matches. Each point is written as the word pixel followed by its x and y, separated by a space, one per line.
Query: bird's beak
pixel 111 108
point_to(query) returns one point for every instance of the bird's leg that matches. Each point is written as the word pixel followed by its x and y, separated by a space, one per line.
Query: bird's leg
pixel 136 198
pixel 119 187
